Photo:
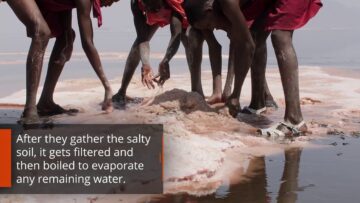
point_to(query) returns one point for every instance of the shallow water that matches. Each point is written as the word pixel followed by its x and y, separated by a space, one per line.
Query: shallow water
pixel 329 173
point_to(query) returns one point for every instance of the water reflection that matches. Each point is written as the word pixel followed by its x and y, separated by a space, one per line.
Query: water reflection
pixel 253 188
pixel 289 185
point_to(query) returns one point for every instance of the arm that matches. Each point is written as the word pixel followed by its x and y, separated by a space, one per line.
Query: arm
pixel 141 47
pixel 241 44
pixel 239 33
pixel 146 70
pixel 144 48
pixel 174 43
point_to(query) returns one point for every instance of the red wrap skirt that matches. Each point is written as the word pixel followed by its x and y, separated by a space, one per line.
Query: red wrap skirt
pixel 51 10
pixel 281 14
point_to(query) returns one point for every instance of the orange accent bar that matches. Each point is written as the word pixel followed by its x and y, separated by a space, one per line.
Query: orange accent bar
pixel 5 158
pixel 162 158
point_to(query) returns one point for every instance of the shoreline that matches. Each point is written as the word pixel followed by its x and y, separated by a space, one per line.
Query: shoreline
pixel 218 144
pixel 114 63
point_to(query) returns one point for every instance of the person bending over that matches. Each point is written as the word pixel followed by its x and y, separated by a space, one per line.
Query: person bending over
pixel 51 18
pixel 280 21
pixel 149 15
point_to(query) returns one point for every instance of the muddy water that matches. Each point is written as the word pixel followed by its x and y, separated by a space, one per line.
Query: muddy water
pixel 329 173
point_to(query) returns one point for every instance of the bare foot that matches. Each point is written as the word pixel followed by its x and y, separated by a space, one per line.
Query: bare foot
pixel 53 109
pixel 107 106
pixel 30 116
pixel 234 106
pixel 214 99
pixel 225 97
pixel 119 101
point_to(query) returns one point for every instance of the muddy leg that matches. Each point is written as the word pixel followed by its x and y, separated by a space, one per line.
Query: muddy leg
pixel 60 55
pixel 288 65
pixel 242 63
pixel 144 34
pixel 229 79
pixel 29 14
pixel 269 99
pixel 193 47
pixel 215 60
pixel 258 70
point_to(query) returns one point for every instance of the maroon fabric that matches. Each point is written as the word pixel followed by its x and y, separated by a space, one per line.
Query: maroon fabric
pixel 254 9
pixel 163 17
pixel 282 14
pixel 51 10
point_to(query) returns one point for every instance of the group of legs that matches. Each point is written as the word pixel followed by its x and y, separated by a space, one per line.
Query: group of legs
pixel 140 50
pixel 30 14
pixel 247 49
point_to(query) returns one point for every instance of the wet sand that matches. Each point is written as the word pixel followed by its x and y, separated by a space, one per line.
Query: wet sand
pixel 220 151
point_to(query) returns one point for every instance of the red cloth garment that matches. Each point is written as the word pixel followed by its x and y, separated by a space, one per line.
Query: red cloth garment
pixel 163 17
pixel 254 9
pixel 291 14
pixel 281 14
pixel 51 10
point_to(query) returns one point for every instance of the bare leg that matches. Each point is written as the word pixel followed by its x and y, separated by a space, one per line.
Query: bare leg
pixel 229 79
pixel 288 65
pixel 193 47
pixel 144 33
pixel 289 185
pixel 29 14
pixel 215 60
pixel 258 67
pixel 244 61
pixel 269 100
pixel 60 55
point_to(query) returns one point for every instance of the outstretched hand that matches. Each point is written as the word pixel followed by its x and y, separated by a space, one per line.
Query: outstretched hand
pixel 163 74
pixel 147 77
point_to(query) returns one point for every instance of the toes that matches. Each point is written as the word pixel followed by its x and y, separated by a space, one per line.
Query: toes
pixel 29 119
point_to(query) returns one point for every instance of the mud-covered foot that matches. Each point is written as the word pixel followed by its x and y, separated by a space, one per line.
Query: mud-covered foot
pixel 30 117
pixel 234 106
pixel 54 109
pixel 225 97
pixel 107 106
pixel 119 101
pixel 214 99
pixel 270 103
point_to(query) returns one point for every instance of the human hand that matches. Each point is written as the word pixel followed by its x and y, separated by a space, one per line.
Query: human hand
pixel 163 73
pixel 147 77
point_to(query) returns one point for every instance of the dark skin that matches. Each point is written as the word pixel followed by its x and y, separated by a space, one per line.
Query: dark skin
pixel 287 61
pixel 212 20
pixel 140 51
pixel 194 52
pixel 37 29
pixel 242 46
pixel 288 67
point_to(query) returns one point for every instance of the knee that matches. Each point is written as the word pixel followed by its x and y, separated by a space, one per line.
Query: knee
pixel 39 32
pixel 280 39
